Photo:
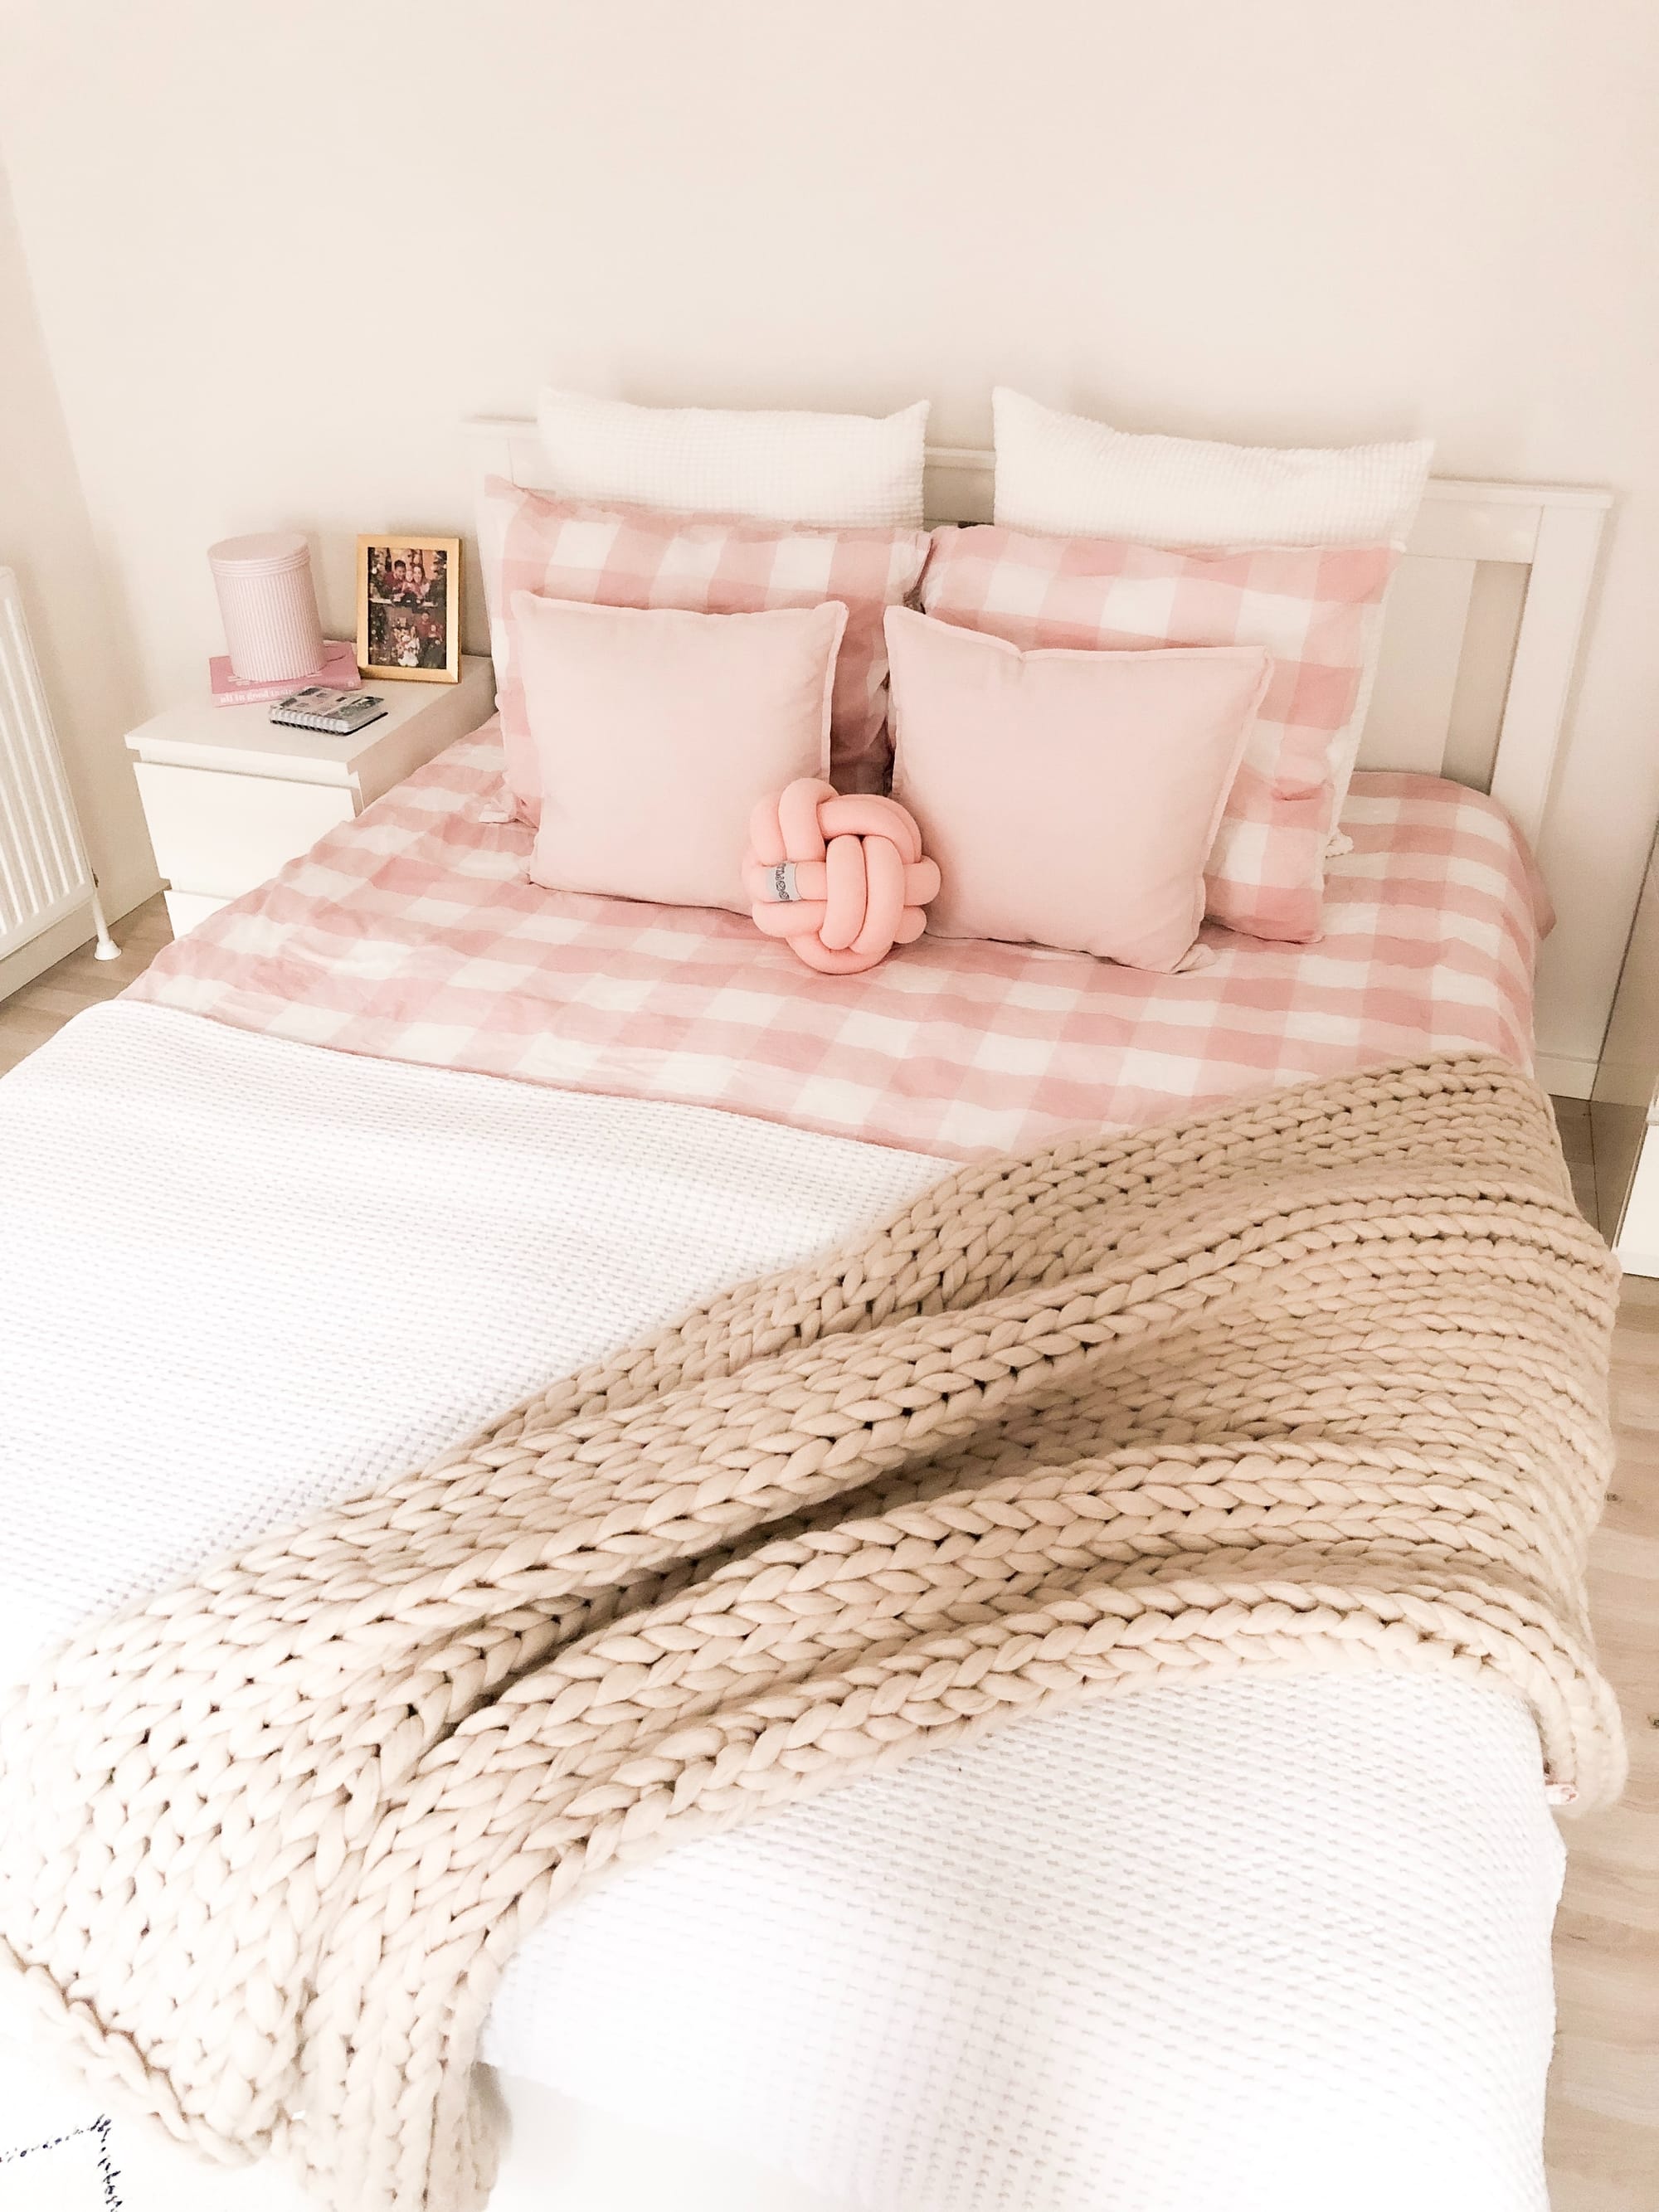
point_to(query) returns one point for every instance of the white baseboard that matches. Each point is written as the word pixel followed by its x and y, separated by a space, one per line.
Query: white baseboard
pixel 119 893
pixel 1565 1076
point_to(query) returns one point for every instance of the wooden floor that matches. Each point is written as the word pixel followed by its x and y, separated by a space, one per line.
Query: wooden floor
pixel 1603 2145
pixel 30 1016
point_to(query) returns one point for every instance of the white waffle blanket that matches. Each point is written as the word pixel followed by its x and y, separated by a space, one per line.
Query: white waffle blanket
pixel 1271 1944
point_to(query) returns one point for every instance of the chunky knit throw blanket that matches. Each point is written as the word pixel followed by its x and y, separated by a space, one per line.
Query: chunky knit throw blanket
pixel 1314 1383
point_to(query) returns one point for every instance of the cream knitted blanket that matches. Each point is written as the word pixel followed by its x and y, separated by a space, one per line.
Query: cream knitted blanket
pixel 1315 1383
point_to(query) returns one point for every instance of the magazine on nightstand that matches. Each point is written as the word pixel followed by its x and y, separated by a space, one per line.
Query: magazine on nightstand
pixel 340 713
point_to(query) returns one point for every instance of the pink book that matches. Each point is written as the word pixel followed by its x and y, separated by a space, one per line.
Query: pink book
pixel 338 671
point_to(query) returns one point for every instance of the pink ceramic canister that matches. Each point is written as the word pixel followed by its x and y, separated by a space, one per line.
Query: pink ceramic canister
pixel 269 605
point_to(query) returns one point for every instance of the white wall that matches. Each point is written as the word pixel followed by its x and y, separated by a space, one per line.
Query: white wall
pixel 86 661
pixel 279 250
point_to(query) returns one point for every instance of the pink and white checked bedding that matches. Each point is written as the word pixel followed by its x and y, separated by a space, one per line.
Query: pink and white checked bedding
pixel 626 556
pixel 413 934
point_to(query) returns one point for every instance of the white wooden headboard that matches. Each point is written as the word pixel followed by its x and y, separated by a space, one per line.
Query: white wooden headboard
pixel 1484 620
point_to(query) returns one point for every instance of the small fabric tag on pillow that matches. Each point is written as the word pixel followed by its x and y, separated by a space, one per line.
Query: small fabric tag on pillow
pixel 781 883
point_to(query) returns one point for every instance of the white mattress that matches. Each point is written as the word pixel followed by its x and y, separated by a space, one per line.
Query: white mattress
pixel 1273 1943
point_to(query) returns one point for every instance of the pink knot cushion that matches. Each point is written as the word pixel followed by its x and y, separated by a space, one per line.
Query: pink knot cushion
pixel 841 880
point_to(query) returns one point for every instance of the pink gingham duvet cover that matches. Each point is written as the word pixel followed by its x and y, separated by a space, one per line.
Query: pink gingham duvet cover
pixel 414 934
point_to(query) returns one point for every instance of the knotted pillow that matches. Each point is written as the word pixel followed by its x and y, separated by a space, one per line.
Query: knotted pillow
pixel 839 879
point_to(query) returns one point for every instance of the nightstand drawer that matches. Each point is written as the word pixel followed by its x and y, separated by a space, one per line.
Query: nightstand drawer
pixel 220 834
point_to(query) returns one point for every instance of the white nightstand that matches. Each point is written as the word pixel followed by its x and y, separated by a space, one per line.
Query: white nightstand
pixel 229 795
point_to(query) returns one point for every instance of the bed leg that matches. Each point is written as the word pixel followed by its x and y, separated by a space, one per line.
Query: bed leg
pixel 106 948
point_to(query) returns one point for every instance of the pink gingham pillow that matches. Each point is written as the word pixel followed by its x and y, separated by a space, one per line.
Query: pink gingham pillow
pixel 631 557
pixel 1307 606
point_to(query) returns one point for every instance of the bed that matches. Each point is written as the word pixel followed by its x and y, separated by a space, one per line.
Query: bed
pixel 386 1144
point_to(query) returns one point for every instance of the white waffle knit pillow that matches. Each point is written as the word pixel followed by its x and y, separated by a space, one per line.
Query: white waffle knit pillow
pixel 1065 476
pixel 833 471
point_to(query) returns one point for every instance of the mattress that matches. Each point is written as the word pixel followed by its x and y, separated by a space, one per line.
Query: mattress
pixel 413 933
pixel 1274 1943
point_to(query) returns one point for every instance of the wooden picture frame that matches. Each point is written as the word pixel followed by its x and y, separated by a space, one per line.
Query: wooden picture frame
pixel 408 607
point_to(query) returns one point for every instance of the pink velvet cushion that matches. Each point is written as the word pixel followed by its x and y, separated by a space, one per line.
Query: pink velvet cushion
pixel 657 732
pixel 1311 607
pixel 841 878
pixel 630 556
pixel 1069 797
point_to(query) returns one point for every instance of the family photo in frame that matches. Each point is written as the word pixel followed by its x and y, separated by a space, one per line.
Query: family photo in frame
pixel 409 608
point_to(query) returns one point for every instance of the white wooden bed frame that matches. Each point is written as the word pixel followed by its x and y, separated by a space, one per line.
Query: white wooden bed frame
pixel 1484 620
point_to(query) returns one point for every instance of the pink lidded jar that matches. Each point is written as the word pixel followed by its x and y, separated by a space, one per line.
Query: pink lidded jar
pixel 269 605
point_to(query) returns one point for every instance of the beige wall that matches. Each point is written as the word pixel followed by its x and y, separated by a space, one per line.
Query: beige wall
pixel 279 250
pixel 86 660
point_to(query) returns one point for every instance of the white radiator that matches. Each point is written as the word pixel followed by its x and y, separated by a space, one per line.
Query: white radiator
pixel 43 871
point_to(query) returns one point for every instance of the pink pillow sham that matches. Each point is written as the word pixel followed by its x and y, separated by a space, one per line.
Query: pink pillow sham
pixel 658 731
pixel 1308 607
pixel 623 556
pixel 1069 796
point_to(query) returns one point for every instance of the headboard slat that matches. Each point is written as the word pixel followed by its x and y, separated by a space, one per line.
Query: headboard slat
pixel 1411 707
pixel 1545 655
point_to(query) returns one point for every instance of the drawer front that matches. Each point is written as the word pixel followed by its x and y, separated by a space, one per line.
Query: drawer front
pixel 221 835
pixel 186 909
